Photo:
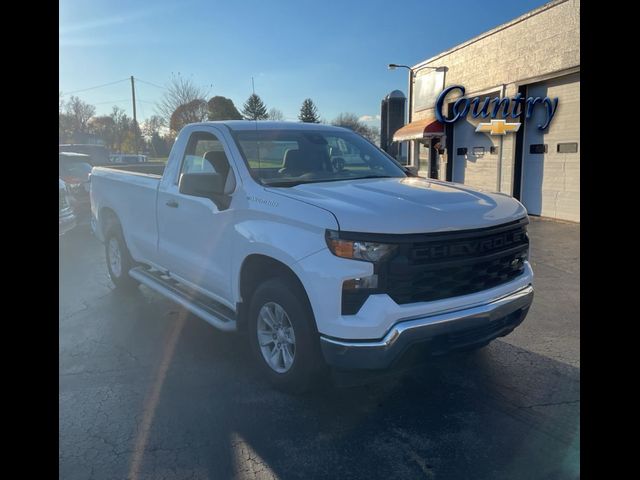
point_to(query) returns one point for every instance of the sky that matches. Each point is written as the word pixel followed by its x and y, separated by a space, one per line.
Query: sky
pixel 335 52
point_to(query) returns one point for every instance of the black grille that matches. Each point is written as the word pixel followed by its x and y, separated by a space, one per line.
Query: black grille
pixel 448 265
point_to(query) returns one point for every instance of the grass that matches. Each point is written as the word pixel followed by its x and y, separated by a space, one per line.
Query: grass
pixel 265 163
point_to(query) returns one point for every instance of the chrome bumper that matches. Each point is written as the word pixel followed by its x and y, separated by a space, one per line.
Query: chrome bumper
pixel 440 333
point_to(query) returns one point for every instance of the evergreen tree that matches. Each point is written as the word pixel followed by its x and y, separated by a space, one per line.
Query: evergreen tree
pixel 254 108
pixel 308 112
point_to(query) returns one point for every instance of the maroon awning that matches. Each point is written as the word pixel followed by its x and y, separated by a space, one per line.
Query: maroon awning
pixel 419 130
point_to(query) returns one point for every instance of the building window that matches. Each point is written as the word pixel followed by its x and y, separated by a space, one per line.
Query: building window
pixel 423 156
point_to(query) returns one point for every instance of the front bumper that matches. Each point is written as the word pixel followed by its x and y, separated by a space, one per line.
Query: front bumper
pixel 81 209
pixel 67 221
pixel 437 334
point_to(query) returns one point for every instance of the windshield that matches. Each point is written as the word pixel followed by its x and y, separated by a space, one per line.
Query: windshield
pixel 284 158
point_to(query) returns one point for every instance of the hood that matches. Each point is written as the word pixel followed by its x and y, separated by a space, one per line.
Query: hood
pixel 406 205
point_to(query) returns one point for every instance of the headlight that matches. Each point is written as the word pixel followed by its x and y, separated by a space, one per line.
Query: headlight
pixel 356 249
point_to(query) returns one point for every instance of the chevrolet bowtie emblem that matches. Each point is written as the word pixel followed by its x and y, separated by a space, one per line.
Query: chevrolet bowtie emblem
pixel 498 127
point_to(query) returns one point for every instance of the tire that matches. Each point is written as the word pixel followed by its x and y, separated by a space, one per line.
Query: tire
pixel 119 260
pixel 306 365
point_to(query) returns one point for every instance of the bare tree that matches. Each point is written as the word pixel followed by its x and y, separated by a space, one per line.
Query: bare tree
pixel 374 135
pixel 152 125
pixel 121 126
pixel 65 128
pixel 180 91
pixel 79 112
pixel 275 114
pixel 104 127
pixel 352 122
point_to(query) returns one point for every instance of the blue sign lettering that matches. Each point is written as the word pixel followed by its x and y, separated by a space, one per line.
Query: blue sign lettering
pixel 505 107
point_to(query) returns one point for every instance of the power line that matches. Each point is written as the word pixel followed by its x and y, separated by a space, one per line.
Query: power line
pixel 150 83
pixel 113 101
pixel 97 86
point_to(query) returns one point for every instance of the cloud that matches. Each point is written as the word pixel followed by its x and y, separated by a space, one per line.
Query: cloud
pixel 369 118
pixel 95 32
pixel 107 40
pixel 122 18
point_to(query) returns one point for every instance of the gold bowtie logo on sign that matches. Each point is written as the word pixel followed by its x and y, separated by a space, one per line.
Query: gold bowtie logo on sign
pixel 498 127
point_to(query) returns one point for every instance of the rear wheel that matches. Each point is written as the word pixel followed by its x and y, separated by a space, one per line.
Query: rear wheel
pixel 283 336
pixel 119 260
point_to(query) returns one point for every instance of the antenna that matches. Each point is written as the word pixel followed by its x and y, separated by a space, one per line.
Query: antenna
pixel 255 119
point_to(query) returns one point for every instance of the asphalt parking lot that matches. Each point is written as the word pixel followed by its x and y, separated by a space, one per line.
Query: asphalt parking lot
pixel 148 391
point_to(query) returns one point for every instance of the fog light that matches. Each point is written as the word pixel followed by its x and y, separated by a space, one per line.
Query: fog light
pixel 360 283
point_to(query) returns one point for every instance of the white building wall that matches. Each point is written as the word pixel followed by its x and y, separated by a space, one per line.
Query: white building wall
pixel 541 44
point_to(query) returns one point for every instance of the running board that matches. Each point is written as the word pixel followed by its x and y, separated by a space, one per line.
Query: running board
pixel 207 309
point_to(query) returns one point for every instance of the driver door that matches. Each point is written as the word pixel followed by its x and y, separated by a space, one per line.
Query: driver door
pixel 194 234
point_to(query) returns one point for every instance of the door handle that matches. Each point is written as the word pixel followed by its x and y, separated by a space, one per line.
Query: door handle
pixel 172 204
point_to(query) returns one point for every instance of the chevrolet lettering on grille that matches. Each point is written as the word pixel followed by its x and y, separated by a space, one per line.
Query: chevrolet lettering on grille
pixel 469 247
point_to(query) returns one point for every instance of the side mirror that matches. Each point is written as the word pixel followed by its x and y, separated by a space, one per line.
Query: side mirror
pixel 207 185
pixel 411 171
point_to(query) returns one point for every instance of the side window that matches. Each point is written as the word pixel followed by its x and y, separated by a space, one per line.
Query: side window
pixel 195 164
pixel 204 154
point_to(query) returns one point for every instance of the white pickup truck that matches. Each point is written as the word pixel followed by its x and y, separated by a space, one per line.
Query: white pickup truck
pixel 317 244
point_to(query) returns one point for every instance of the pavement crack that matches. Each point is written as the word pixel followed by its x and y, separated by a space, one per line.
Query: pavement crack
pixel 85 305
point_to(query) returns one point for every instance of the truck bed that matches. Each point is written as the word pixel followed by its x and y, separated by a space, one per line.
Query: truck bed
pixel 131 191
pixel 148 168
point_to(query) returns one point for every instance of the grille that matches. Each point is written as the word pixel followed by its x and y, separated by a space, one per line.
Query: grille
pixel 447 265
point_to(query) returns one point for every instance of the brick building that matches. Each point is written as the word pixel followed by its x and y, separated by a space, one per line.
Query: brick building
pixel 535 55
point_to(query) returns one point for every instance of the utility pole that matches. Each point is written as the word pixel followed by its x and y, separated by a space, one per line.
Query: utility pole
pixel 135 117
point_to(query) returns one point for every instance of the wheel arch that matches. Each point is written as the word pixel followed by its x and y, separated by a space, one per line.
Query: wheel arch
pixel 258 268
pixel 106 219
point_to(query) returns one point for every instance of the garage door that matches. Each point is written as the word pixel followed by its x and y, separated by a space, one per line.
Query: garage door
pixel 474 163
pixel 551 158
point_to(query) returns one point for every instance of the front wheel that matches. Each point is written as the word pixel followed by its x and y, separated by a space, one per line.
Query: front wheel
pixel 119 260
pixel 283 336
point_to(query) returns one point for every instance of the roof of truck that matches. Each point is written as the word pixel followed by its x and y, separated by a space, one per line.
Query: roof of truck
pixel 269 125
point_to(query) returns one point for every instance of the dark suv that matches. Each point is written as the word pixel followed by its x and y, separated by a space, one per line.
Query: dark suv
pixel 66 215
pixel 98 154
pixel 74 170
